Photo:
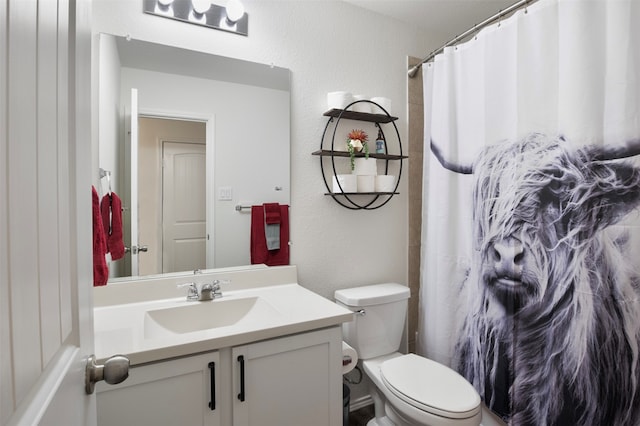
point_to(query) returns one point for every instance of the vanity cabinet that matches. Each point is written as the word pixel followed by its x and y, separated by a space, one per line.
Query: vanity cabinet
pixel 291 380
pixel 328 145
pixel 295 380
pixel 173 392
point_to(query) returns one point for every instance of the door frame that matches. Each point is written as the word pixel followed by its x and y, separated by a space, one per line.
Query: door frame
pixel 209 120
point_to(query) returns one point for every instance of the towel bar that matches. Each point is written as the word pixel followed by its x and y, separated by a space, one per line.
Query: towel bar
pixel 240 207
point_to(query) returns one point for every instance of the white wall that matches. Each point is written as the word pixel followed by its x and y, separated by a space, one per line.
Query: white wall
pixel 328 46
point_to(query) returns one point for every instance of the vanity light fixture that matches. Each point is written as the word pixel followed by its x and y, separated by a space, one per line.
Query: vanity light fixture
pixel 231 18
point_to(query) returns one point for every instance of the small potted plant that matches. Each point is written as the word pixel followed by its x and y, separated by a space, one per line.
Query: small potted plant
pixel 356 142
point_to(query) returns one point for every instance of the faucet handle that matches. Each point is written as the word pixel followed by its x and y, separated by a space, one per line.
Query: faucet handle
pixel 218 282
pixel 217 290
pixel 192 293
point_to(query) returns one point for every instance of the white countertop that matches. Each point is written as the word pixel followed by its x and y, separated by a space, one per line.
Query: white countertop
pixel 119 328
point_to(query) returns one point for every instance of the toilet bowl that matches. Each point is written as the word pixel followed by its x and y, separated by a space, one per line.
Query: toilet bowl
pixel 406 389
pixel 419 391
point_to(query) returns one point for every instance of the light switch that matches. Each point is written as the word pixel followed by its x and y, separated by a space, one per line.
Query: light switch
pixel 225 193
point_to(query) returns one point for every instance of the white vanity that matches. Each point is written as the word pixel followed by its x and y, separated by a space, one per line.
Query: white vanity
pixel 267 353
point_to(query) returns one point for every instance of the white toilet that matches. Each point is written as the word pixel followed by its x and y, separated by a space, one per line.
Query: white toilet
pixel 407 389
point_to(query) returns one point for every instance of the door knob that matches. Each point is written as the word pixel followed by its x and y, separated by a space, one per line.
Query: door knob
pixel 137 249
pixel 115 370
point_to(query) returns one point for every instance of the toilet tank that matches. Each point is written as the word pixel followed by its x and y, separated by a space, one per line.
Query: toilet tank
pixel 377 328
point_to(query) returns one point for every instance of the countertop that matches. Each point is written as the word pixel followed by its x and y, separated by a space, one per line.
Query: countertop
pixel 120 328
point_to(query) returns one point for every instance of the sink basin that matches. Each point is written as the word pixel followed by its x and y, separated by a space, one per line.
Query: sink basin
pixel 198 316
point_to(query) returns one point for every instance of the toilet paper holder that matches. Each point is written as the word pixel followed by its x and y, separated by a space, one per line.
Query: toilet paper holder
pixel 349 358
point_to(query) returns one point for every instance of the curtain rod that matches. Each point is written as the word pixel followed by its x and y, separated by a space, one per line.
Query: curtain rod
pixel 520 4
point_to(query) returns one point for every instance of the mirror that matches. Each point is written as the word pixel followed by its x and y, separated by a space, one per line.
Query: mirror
pixel 239 151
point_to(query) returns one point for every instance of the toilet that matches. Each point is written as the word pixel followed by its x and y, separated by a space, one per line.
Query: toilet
pixel 406 389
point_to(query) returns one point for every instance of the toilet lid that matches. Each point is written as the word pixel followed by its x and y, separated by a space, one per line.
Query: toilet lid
pixel 430 386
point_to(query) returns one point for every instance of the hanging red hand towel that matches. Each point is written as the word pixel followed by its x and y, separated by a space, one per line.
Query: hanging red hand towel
pixel 259 251
pixel 100 268
pixel 111 208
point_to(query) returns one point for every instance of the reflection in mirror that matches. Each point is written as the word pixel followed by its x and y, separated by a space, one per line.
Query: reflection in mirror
pixel 212 133
pixel 171 198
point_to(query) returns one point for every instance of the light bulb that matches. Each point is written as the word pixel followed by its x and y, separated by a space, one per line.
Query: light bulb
pixel 235 10
pixel 201 6
pixel 164 8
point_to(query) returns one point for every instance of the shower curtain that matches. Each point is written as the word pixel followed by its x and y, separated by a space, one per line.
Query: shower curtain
pixel 530 281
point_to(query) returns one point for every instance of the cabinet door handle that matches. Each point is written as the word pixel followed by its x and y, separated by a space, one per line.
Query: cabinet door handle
pixel 241 394
pixel 212 403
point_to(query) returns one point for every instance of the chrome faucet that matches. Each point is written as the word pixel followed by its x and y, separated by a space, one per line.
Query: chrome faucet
pixel 210 291
pixel 203 292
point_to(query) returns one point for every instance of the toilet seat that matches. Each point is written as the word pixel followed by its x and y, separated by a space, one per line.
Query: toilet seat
pixel 430 386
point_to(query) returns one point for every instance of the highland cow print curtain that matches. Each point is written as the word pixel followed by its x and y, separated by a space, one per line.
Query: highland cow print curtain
pixel 530 284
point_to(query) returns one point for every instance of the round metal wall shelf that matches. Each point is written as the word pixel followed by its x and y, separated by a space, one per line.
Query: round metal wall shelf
pixel 359 200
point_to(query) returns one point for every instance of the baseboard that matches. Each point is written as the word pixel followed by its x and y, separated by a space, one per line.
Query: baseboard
pixel 363 401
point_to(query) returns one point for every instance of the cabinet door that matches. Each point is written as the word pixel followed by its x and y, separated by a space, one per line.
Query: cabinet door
pixel 295 380
pixel 176 392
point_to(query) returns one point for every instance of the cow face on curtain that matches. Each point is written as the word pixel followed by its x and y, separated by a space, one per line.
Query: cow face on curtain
pixel 551 338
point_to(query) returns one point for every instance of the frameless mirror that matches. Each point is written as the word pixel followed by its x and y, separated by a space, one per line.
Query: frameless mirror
pixel 191 141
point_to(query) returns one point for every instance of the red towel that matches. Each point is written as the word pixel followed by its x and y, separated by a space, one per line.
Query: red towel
pixel 259 252
pixel 100 268
pixel 111 209
pixel 271 213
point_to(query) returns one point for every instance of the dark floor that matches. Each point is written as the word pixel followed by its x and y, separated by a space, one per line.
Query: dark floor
pixel 362 416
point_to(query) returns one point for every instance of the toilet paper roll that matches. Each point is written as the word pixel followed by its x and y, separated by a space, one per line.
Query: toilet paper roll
pixel 383 102
pixel 366 183
pixel 361 106
pixel 385 183
pixel 349 358
pixel 349 183
pixel 339 100
pixel 365 166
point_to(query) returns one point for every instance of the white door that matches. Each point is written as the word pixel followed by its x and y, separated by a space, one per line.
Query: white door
pixel 153 132
pixel 45 214
pixel 183 207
